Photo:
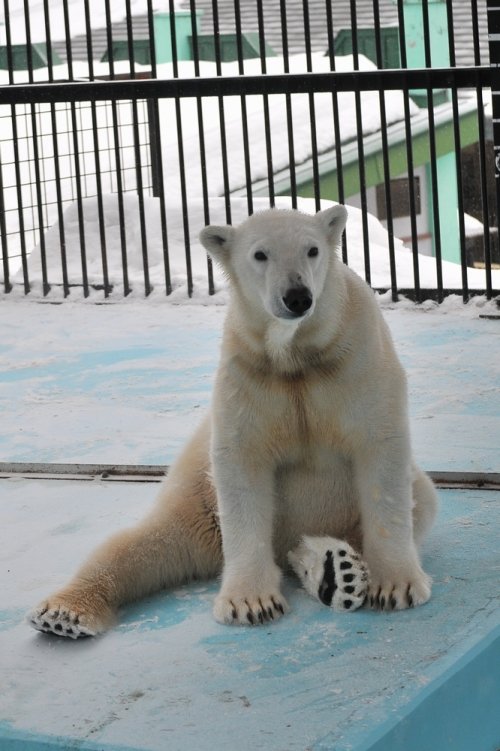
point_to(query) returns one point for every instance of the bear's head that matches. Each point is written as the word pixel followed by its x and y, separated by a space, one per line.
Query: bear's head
pixel 279 259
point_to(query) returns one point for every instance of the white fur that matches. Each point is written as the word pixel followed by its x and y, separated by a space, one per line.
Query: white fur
pixel 308 435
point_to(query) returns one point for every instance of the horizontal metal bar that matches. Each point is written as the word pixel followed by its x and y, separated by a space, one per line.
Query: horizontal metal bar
pixel 466 480
pixel 157 472
pixel 117 472
pixel 308 83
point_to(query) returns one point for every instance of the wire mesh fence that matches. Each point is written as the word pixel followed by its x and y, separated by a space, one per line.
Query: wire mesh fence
pixel 140 127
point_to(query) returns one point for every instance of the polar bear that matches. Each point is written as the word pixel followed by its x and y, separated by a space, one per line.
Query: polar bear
pixel 307 438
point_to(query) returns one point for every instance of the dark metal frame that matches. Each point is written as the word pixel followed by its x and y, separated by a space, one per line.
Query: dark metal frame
pixel 152 90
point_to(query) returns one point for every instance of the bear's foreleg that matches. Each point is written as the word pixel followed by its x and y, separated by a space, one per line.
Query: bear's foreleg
pixel 391 528
pixel 250 593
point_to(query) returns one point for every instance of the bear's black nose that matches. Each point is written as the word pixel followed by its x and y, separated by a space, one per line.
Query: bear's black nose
pixel 298 300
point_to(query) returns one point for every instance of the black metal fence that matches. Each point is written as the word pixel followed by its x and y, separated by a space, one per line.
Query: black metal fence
pixel 208 113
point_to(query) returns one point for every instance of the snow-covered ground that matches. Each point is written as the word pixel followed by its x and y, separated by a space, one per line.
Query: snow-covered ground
pixel 127 383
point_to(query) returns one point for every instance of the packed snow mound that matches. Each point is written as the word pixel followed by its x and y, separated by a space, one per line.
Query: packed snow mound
pixel 182 233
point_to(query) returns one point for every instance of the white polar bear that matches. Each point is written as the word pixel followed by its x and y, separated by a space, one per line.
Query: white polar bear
pixel 307 437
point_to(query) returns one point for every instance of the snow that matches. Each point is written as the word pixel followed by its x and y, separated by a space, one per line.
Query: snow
pixel 378 240
pixel 76 16
pixel 473 227
pixel 216 186
pixel 127 382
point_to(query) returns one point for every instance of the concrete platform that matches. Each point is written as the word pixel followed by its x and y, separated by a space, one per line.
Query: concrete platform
pixel 168 677
pixel 126 383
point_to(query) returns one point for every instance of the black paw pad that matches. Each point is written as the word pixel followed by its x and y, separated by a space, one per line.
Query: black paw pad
pixel 325 566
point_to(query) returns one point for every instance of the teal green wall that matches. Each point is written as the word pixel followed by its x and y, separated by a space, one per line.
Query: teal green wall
pixel 183 31
pixel 448 207
pixel 414 33
pixel 446 164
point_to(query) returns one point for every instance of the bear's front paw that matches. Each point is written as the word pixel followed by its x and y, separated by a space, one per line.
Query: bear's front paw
pixel 251 610
pixel 331 571
pixel 399 590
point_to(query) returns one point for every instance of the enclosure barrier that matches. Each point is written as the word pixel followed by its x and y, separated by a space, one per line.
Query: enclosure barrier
pixel 105 183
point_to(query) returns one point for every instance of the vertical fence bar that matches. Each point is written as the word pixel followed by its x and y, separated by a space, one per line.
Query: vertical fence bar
pixel 361 148
pixel 152 40
pixel 60 213
pixel 493 9
pixel 336 122
pixel 3 238
pixel 385 157
pixel 39 200
pixel 15 143
pixel 109 38
pixel 97 159
pixel 119 193
pixel 3 225
pixel 458 159
pixel 116 143
pixel 156 154
pixel 265 101
pixel 48 40
pixel 29 52
pixel 288 105
pixel 157 146
pixel 79 201
pixel 130 38
pixel 100 203
pixel 433 155
pixel 19 192
pixel 8 40
pixel 222 115
pixel 180 147
pixel 312 108
pixel 201 140
pixel 409 159
pixel 482 155
pixel 140 198
pixel 244 114
pixel 67 40
pixel 36 153
pixel 55 144
pixel 137 153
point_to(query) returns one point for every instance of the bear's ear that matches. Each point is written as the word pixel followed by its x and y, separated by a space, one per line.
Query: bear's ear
pixel 217 240
pixel 333 221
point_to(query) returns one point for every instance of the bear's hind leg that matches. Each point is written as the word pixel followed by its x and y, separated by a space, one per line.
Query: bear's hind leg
pixel 425 505
pixel 177 543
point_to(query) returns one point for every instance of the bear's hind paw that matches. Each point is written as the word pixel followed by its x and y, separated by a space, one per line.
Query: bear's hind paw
pixel 331 571
pixel 63 619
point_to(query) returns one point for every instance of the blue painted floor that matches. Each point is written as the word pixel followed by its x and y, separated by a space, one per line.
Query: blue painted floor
pixel 168 677
pixel 126 384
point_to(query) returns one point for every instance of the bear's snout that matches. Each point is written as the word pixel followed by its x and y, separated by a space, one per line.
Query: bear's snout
pixel 298 300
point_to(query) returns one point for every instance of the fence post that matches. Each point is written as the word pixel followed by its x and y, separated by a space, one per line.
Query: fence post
pixel 493 8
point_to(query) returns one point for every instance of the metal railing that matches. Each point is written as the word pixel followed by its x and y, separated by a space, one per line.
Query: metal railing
pixel 105 182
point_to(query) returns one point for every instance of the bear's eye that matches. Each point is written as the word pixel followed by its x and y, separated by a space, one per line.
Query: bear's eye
pixel 312 252
pixel 259 255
